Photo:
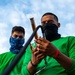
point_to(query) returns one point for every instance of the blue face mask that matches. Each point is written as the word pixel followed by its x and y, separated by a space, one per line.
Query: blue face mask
pixel 16 44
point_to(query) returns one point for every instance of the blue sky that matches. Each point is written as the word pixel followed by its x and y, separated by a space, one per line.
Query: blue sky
pixel 19 12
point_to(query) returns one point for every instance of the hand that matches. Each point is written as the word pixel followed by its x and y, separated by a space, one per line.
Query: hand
pixel 37 56
pixel 46 47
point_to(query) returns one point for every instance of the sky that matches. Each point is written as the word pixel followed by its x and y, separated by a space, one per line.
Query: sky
pixel 19 12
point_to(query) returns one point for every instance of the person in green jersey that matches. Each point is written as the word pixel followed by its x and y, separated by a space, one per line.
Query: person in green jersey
pixel 16 43
pixel 54 55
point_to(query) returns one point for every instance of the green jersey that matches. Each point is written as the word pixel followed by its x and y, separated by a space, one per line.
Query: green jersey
pixel 67 46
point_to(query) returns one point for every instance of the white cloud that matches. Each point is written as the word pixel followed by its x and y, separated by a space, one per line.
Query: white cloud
pixel 68 29
pixel 14 18
pixel 19 13
pixel 3 46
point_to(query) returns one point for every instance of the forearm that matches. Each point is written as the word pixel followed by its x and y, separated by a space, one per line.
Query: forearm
pixel 65 61
pixel 31 68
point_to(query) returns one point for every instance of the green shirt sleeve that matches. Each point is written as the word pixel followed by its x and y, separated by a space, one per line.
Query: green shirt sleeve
pixel 5 60
pixel 26 60
pixel 71 70
pixel 71 51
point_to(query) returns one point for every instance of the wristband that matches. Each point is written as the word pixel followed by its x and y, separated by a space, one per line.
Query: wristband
pixel 33 64
pixel 57 54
